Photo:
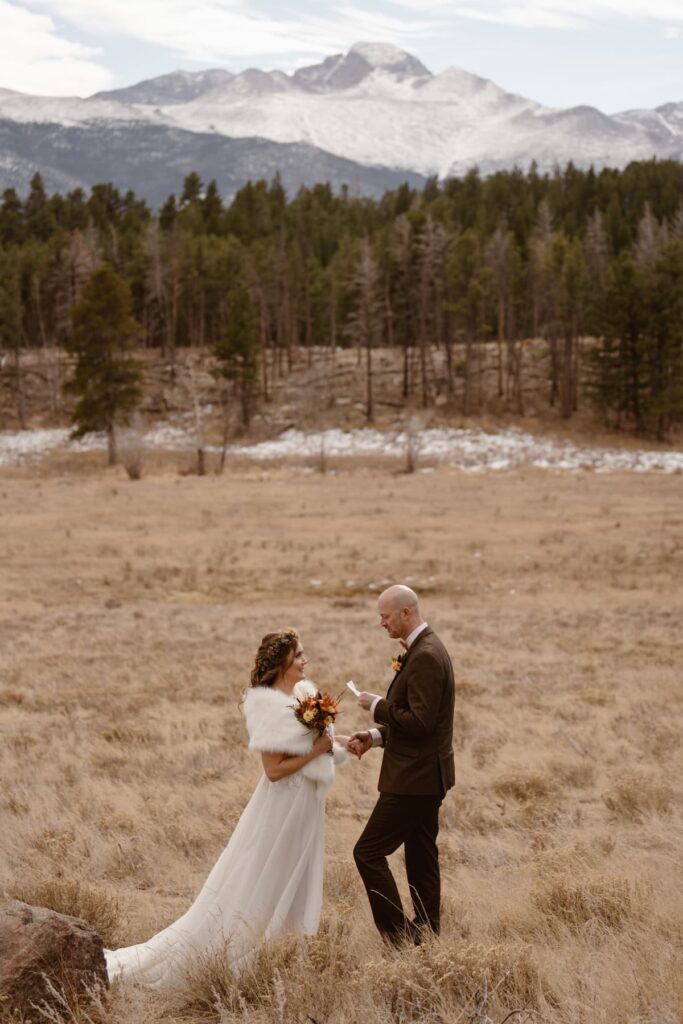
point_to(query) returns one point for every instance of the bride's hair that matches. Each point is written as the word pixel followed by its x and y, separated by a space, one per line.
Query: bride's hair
pixel 272 656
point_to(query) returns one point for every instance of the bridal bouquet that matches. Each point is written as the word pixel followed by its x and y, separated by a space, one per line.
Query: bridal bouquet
pixel 317 711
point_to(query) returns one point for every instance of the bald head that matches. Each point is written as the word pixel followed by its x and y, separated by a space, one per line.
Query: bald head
pixel 399 596
pixel 399 611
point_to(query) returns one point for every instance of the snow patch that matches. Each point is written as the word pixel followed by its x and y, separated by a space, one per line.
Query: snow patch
pixel 473 450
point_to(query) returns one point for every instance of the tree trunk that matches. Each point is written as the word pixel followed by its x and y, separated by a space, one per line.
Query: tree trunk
pixel 111 445
pixel 246 396
pixel 467 393
pixel 333 352
pixel 566 378
pixel 518 372
pixel 19 388
pixel 370 411
pixel 575 372
pixel 501 335
pixel 263 310
pixel 35 286
pixel 389 317
pixel 423 371
pixel 449 361
pixel 552 398
pixel 173 318
pixel 199 423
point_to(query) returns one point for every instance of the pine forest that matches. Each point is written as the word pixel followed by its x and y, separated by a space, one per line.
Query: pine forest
pixel 451 277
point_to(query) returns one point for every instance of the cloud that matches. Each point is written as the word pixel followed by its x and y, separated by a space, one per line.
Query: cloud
pixel 561 14
pixel 224 30
pixel 671 32
pixel 35 59
pixel 525 16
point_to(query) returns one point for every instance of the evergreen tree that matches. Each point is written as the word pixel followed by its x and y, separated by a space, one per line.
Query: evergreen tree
pixel 664 407
pixel 236 350
pixel 106 378
pixel 10 330
pixel 12 226
pixel 616 363
pixel 469 281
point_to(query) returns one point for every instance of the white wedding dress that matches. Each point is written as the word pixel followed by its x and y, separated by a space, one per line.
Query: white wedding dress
pixel 268 881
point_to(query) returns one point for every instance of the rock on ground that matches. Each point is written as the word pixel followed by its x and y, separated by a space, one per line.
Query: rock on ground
pixel 38 944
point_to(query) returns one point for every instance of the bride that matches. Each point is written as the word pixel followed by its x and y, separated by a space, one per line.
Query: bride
pixel 268 880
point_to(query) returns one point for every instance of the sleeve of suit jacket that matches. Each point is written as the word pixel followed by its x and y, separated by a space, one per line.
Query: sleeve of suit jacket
pixel 424 693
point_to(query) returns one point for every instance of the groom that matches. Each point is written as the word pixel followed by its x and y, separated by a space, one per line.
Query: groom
pixel 415 727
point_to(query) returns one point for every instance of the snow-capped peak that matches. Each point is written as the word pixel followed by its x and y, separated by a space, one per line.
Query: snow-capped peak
pixel 390 58
pixel 346 70
pixel 380 55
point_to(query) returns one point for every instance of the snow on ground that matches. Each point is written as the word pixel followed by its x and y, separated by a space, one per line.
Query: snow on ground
pixel 471 450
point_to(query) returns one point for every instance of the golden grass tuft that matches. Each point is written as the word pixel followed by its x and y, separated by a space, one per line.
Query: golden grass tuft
pixel 608 901
pixel 342 882
pixel 578 775
pixel 637 794
pixel 439 979
pixel 525 786
pixel 92 902
pixel 286 979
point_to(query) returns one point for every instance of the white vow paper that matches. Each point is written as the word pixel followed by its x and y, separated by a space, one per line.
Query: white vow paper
pixel 353 688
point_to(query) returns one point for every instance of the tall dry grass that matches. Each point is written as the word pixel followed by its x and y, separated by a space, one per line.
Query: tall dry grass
pixel 128 616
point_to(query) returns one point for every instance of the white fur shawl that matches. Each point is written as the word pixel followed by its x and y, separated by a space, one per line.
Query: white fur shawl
pixel 273 728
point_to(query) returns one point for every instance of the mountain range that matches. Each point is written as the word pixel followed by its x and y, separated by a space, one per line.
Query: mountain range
pixel 369 119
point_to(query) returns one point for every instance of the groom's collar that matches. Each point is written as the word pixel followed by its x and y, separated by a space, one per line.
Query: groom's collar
pixel 412 637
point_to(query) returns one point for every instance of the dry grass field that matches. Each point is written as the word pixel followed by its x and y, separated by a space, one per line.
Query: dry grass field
pixel 129 615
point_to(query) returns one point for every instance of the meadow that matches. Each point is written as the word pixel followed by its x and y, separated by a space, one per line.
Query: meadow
pixel 130 612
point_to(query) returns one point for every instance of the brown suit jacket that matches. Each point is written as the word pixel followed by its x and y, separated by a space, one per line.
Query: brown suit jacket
pixel 416 722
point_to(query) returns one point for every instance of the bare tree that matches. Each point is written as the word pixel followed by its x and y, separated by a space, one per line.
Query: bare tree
pixel 497 257
pixel 650 238
pixel 362 325
pixel 197 406
pixel 432 249
pixel 596 246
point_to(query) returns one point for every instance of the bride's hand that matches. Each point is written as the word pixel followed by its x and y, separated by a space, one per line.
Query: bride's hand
pixel 322 745
pixel 359 743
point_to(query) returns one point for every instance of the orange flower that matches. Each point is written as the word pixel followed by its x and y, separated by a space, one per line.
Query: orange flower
pixel 317 712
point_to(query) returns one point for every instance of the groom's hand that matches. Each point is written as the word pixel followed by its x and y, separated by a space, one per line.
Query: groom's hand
pixel 359 743
pixel 366 700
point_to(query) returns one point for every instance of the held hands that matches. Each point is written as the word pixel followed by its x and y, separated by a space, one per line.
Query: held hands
pixel 359 743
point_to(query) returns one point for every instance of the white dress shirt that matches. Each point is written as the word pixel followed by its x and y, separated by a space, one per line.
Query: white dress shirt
pixel 409 641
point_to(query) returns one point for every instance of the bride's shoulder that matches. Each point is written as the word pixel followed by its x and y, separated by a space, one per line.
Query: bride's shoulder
pixel 262 696
pixel 271 722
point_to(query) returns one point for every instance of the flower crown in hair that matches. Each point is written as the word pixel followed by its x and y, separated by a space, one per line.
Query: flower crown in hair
pixel 276 648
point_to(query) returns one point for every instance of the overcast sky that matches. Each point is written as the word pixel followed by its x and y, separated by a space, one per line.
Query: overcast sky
pixel 612 54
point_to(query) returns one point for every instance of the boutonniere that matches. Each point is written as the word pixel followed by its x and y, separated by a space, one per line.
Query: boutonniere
pixel 397 661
